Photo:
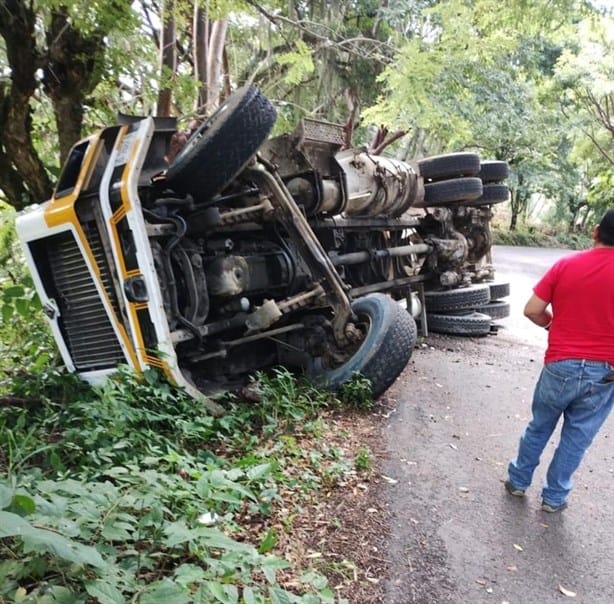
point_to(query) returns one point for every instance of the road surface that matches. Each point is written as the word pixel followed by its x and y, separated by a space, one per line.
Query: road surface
pixel 457 413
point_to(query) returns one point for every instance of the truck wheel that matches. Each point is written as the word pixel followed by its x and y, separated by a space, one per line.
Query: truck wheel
pixel 466 324
pixel 223 144
pixel 492 193
pixel 493 171
pixel 449 165
pixel 390 337
pixel 498 289
pixel 497 309
pixel 452 190
pixel 457 299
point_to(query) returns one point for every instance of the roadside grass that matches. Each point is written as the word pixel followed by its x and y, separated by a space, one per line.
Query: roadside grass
pixel 548 237
pixel 131 492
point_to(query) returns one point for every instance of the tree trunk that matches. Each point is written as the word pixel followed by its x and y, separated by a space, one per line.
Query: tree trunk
pixel 215 63
pixel 70 74
pixel 23 178
pixel 168 59
pixel 200 50
pixel 513 221
pixel 518 201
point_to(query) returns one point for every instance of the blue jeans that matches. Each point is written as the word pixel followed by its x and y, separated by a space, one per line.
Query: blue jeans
pixel 575 390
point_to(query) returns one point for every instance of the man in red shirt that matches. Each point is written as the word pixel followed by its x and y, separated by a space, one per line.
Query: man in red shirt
pixel 577 380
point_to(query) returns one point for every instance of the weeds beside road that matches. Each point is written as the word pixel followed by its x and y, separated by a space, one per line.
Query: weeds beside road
pixel 132 493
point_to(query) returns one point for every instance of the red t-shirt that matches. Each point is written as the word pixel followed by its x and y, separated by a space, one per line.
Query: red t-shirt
pixel 580 288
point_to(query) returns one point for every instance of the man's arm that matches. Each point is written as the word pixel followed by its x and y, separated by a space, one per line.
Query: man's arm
pixel 535 310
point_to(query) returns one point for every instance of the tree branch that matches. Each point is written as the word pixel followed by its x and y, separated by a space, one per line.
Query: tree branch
pixel 19 401
pixel 382 140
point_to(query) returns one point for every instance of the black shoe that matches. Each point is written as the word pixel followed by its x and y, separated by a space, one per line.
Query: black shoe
pixel 512 490
pixel 551 509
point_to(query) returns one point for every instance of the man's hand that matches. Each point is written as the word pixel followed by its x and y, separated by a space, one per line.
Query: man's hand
pixel 535 310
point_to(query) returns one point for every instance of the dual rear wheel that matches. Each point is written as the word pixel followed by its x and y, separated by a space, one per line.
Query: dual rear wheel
pixel 467 311
pixel 461 178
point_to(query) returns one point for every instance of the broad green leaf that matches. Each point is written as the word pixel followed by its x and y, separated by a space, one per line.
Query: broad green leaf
pixel 268 542
pixel 260 471
pixel 273 562
pixel 22 306
pixel 279 596
pixel 215 538
pixel 269 574
pixel 104 593
pixel 15 291
pixel 248 596
pixel 227 594
pixel 42 540
pixel 164 592
pixel 234 474
pixel 177 533
pixel 116 531
pixel 226 498
pixel 57 594
pixel 12 525
pixel 7 312
pixel 187 574
pixel 6 496
pixel 41 361
pixel 23 504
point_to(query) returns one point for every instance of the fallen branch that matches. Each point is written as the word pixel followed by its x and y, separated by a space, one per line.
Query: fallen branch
pixel 19 401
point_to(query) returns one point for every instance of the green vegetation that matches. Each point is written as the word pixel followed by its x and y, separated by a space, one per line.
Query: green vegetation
pixel 541 237
pixel 362 461
pixel 356 393
pixel 26 345
pixel 131 492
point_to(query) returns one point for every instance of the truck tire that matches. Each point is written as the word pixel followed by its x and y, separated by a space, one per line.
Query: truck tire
pixel 498 289
pixel 497 309
pixel 223 144
pixel 453 190
pixel 493 171
pixel 457 299
pixel 492 193
pixel 387 347
pixel 449 165
pixel 470 323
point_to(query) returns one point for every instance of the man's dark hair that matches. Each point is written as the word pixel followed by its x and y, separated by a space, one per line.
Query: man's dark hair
pixel 605 232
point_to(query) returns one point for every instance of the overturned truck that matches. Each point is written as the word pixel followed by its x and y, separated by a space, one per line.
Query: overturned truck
pixel 239 253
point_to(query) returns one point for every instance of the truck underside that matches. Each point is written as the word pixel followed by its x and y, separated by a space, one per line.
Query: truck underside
pixel 240 253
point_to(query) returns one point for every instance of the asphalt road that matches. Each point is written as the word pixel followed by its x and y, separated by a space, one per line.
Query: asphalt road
pixel 457 413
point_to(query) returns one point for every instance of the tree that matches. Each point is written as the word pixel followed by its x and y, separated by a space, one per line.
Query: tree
pixel 475 77
pixel 585 75
pixel 71 56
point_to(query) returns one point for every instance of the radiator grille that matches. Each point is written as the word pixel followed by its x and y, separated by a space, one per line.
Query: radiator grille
pixel 89 334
